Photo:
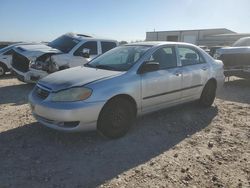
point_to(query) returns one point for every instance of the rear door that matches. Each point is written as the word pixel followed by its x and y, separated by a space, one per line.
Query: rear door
pixel 194 71
pixel 161 87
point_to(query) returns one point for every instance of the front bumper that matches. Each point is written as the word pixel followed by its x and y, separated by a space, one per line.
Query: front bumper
pixel 66 116
pixel 32 76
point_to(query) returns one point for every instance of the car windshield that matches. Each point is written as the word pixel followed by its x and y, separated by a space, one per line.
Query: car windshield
pixel 119 59
pixel 242 42
pixel 6 48
pixel 64 43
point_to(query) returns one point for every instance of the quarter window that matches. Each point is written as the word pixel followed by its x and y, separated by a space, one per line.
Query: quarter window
pixel 106 46
pixel 165 57
pixel 190 56
pixel 91 45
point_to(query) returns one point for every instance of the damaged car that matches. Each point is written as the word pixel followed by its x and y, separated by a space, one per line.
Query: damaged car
pixel 236 59
pixel 6 58
pixel 35 61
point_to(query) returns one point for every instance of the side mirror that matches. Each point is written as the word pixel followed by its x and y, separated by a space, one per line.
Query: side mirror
pixel 149 66
pixel 85 52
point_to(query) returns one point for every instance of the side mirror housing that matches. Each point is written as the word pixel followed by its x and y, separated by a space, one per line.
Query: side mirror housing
pixel 85 52
pixel 149 66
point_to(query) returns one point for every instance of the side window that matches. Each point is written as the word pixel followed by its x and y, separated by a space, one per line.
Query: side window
pixel 91 45
pixel 106 46
pixel 189 56
pixel 165 56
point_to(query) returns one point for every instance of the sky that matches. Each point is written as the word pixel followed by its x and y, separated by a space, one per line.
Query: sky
pixel 44 20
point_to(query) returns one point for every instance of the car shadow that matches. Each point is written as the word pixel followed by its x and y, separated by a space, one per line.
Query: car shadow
pixel 36 156
pixel 17 94
pixel 237 90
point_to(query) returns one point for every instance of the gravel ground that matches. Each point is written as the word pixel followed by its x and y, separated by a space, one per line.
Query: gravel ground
pixel 182 146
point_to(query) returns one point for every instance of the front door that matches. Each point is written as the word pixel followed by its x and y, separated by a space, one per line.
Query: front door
pixel 161 87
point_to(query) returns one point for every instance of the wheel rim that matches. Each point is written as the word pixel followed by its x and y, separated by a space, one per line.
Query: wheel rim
pixel 118 119
pixel 1 71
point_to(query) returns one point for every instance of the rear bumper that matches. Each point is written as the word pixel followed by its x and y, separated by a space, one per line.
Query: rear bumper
pixel 32 76
pixel 242 73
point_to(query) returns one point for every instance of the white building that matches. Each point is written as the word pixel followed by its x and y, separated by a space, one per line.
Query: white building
pixel 203 37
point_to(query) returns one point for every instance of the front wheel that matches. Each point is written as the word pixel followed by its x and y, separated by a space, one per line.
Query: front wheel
pixel 2 70
pixel 208 94
pixel 116 118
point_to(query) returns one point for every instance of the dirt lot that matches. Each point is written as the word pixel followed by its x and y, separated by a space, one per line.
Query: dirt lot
pixel 181 146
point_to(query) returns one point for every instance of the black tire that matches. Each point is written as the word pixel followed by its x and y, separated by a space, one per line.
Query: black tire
pixel 208 94
pixel 116 118
pixel 2 69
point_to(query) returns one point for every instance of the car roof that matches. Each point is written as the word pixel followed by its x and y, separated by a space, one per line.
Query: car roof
pixel 84 37
pixel 157 43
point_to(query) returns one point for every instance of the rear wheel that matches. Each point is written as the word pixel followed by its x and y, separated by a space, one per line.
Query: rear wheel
pixel 116 118
pixel 208 94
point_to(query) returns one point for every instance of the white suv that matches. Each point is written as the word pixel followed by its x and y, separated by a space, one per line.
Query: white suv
pixel 32 62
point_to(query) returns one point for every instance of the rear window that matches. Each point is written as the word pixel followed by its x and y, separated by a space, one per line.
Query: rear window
pixel 242 42
pixel 106 46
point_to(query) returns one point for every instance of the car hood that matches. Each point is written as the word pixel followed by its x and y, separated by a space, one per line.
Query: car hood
pixel 233 50
pixel 73 77
pixel 35 50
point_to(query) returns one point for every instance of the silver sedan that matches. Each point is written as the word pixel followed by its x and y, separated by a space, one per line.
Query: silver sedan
pixel 110 91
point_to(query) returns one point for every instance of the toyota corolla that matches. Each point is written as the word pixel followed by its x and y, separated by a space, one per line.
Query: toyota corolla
pixel 111 90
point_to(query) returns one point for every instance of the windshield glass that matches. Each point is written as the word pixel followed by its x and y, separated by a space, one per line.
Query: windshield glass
pixel 119 59
pixel 64 43
pixel 6 48
pixel 242 42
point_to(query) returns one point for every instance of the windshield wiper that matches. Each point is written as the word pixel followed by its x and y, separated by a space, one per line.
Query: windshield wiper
pixel 105 67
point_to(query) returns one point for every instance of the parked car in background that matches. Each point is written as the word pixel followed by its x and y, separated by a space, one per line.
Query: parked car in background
pixel 236 59
pixel 6 57
pixel 212 50
pixel 110 91
pixel 32 62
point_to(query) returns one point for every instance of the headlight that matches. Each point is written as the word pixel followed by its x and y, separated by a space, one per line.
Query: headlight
pixel 39 65
pixel 73 94
pixel 53 67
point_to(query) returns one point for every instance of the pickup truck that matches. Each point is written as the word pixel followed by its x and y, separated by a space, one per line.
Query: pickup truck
pixel 35 61
pixel 236 59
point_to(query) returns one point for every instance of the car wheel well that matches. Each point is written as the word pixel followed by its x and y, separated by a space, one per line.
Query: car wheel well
pixel 213 81
pixel 124 97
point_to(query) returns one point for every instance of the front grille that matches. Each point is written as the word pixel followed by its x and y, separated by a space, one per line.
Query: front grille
pixel 41 93
pixel 20 62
